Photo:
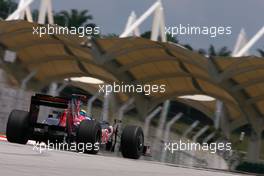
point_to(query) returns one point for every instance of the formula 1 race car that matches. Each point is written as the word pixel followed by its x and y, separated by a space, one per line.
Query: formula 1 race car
pixel 67 122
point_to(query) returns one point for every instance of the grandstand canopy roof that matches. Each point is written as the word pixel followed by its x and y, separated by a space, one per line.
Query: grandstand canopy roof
pixel 238 82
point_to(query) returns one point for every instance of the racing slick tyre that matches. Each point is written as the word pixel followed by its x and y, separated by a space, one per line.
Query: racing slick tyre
pixel 89 135
pixel 17 127
pixel 132 142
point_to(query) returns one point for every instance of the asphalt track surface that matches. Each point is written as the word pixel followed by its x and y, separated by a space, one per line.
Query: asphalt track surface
pixel 22 160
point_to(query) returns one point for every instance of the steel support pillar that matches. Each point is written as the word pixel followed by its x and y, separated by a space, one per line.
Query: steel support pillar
pixel 45 8
pixel 254 146
pixel 159 131
pixel 222 119
pixel 124 107
pixel 218 113
pixel 53 89
pixel 241 42
pixel 23 86
pixel 250 43
pixel 140 20
pixel 158 25
pixel 148 120
pixel 200 132
pixel 27 79
pixel 22 10
pixel 131 19
pixel 105 110
pixel 186 132
pixel 26 12
pixel 167 133
pixel 209 137
pixel 120 115
pixel 59 89
pixel 90 103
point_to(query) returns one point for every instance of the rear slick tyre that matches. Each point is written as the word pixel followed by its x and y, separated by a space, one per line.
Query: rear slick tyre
pixel 17 127
pixel 132 142
pixel 89 135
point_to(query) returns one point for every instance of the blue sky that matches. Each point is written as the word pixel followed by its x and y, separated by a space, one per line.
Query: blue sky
pixel 111 16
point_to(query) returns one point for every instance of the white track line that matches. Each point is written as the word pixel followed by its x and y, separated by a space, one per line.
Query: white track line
pixel 3 138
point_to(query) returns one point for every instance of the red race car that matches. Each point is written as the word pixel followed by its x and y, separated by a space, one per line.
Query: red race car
pixel 67 122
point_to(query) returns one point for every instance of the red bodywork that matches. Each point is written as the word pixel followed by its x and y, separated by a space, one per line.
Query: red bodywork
pixel 75 121
pixel 106 133
pixel 70 117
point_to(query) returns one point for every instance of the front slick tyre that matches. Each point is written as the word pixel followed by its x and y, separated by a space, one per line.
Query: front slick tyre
pixel 89 136
pixel 17 127
pixel 132 142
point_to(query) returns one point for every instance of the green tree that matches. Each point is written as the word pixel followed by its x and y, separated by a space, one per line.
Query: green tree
pixel 261 52
pixel 224 51
pixel 35 14
pixel 188 47
pixel 147 35
pixel 74 18
pixel 6 8
pixel 202 51
pixel 111 35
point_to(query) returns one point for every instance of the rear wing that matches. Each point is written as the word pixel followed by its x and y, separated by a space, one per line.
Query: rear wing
pixel 50 101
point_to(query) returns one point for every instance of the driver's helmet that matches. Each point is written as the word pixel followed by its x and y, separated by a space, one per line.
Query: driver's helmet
pixel 83 113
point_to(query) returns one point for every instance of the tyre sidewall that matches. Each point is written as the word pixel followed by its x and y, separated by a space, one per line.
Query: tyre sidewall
pixel 17 127
pixel 89 132
pixel 129 142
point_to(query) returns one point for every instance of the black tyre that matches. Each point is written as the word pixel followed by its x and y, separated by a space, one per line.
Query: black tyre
pixel 17 127
pixel 89 134
pixel 132 142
